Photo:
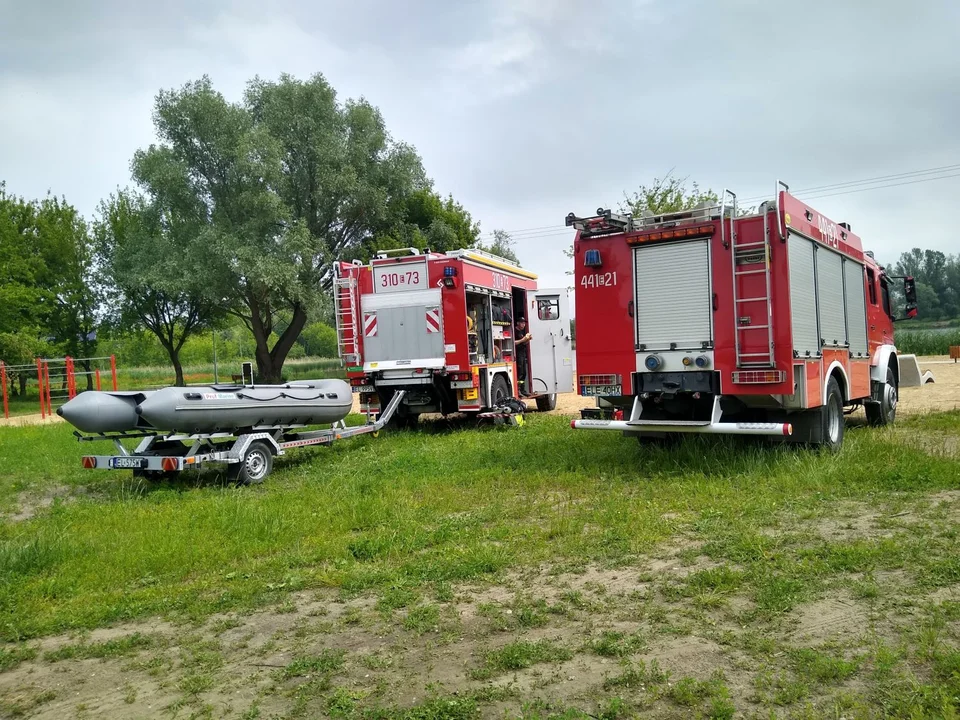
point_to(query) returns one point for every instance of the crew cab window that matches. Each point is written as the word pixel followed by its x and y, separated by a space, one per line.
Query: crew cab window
pixel 548 308
pixel 885 292
pixel 872 286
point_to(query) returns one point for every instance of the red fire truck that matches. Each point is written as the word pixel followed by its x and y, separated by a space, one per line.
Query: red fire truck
pixel 709 321
pixel 441 327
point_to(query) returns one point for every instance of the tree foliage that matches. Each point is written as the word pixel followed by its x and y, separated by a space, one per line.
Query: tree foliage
pixel 663 195
pixel 425 220
pixel 154 271
pixel 502 244
pixel 938 282
pixel 283 183
pixel 47 298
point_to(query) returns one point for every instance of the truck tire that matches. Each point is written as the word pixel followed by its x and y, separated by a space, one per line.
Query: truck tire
pixel 499 390
pixel 884 412
pixel 546 403
pixel 256 464
pixel 831 417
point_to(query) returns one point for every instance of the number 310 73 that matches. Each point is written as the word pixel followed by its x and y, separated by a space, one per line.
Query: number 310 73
pixel 599 280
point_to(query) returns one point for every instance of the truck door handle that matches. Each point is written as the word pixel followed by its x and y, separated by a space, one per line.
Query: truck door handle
pixel 630 308
pixel 715 302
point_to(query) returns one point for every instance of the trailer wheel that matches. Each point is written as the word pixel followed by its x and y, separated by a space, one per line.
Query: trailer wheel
pixel 885 412
pixel 546 403
pixel 831 415
pixel 255 465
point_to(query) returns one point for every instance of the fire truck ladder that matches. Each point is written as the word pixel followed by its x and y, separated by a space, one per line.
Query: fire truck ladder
pixel 751 258
pixel 344 299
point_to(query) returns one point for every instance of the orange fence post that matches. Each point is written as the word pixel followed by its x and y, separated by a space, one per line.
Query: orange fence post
pixel 43 397
pixel 46 384
pixel 113 371
pixel 3 381
pixel 98 379
pixel 68 370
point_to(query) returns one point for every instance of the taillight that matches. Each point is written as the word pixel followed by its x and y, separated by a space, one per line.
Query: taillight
pixel 169 464
pixel 358 381
pixel 89 462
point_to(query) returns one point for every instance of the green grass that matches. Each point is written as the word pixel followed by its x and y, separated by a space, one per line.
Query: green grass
pixel 520 655
pixel 752 534
pixel 395 513
pixel 927 342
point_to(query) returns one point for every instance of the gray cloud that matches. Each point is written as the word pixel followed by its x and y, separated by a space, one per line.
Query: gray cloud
pixel 525 110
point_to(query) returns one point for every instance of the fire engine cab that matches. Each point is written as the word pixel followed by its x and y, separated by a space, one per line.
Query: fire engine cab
pixel 709 321
pixel 442 327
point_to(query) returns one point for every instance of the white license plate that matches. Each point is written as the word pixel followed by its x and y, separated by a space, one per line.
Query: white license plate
pixel 128 462
pixel 601 390
pixel 364 388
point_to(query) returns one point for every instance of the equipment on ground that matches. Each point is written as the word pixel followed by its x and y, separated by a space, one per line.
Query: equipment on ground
pixel 441 326
pixel 242 426
pixel 709 321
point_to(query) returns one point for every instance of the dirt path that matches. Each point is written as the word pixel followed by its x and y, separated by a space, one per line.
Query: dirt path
pixel 35 419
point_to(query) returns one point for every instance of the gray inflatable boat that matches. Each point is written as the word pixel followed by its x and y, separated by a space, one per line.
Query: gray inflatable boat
pixel 211 408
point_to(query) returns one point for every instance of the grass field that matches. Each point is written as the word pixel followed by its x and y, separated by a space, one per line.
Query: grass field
pixel 927 342
pixel 457 572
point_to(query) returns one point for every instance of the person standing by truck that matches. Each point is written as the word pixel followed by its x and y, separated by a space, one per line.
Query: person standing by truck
pixel 521 345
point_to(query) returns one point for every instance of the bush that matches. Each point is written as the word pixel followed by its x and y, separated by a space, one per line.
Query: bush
pixel 926 342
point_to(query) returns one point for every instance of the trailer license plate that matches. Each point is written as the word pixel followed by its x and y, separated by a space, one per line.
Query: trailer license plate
pixel 128 462
pixel 601 390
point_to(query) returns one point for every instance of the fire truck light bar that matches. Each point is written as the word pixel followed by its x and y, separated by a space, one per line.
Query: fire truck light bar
pixel 673 234
pixel 758 377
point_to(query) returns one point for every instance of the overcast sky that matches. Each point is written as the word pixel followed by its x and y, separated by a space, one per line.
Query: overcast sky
pixel 528 110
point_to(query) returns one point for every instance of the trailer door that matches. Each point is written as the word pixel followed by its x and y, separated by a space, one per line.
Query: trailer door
pixel 402 329
pixel 551 349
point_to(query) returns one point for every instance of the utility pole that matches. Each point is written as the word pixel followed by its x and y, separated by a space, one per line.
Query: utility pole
pixel 216 376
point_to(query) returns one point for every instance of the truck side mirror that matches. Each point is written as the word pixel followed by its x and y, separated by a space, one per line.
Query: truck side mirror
pixel 910 291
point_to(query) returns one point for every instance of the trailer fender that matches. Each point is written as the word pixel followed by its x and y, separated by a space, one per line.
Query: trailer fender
pixel 882 361
pixel 835 366
pixel 240 446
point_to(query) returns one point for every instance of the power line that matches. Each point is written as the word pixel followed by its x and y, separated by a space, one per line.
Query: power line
pixel 811 193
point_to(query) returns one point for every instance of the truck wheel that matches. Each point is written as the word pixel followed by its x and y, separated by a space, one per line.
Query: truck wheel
pixel 546 403
pixel 499 390
pixel 831 417
pixel 256 464
pixel 885 412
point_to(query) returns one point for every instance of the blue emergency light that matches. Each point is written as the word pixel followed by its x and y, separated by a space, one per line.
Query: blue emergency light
pixel 591 258
pixel 449 271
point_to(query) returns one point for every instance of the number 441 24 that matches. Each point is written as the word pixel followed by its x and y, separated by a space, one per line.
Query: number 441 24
pixel 599 280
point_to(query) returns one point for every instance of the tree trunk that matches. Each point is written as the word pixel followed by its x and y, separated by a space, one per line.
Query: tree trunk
pixel 174 353
pixel 177 368
pixel 270 362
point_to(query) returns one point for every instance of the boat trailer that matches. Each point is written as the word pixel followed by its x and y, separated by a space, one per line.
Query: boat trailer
pixel 247 455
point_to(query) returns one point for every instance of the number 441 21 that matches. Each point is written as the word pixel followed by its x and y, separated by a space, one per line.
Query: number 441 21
pixel 599 280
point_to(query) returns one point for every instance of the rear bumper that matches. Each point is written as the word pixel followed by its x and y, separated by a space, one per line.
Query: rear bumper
pixel 707 428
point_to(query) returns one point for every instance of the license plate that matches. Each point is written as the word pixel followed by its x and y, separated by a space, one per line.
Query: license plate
pixel 601 390
pixel 128 462
pixel 364 388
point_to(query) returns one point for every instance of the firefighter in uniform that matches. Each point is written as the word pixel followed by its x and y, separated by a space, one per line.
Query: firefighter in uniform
pixel 521 347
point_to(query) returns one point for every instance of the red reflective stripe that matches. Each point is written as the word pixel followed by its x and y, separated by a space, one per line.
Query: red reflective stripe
pixel 370 324
pixel 433 320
